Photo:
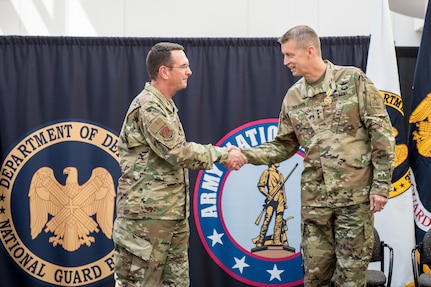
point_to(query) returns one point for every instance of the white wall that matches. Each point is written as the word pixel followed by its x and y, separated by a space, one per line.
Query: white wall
pixel 196 18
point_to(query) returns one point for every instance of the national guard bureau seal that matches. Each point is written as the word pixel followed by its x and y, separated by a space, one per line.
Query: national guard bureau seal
pixel 249 220
pixel 57 201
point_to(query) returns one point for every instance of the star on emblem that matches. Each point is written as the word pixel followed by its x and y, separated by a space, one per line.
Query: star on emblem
pixel 216 238
pixel 275 273
pixel 240 264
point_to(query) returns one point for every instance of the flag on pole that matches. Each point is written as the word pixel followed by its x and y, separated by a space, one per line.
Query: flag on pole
pixel 420 132
pixel 395 224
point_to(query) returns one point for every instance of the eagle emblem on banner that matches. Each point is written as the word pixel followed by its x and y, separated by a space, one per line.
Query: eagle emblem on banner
pixel 421 116
pixel 67 210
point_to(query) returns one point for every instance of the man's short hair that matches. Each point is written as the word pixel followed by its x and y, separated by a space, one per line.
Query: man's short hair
pixel 303 35
pixel 160 55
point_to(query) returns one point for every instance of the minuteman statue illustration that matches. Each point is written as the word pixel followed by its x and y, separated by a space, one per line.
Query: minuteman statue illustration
pixel 271 185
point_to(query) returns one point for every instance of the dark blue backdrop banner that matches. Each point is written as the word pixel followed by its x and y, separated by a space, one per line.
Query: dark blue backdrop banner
pixel 62 102
pixel 420 137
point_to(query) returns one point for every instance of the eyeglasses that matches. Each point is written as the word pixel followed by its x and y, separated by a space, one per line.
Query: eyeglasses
pixel 183 67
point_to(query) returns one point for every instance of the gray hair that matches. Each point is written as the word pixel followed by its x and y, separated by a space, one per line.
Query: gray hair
pixel 304 36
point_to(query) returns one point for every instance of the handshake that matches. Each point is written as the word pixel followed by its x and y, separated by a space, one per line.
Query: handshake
pixel 236 159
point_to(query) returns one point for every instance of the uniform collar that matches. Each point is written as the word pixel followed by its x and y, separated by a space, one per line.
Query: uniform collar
pixel 325 84
pixel 168 104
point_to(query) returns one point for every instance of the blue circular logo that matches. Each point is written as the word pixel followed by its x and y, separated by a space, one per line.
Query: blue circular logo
pixel 57 195
pixel 249 220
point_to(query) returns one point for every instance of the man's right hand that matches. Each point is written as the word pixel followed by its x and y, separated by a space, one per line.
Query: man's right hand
pixel 236 159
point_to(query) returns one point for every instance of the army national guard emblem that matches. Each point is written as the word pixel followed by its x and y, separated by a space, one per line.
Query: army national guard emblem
pixel 57 203
pixel 249 220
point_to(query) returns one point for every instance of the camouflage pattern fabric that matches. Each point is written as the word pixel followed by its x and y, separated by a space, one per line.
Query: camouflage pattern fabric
pixel 336 240
pixel 348 141
pixel 155 158
pixel 150 231
pixel 151 253
pixel 342 124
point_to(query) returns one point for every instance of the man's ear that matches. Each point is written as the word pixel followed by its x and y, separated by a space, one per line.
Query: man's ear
pixel 163 72
pixel 311 50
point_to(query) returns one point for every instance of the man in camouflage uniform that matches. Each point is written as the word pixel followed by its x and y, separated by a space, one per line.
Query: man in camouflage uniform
pixel 151 229
pixel 338 116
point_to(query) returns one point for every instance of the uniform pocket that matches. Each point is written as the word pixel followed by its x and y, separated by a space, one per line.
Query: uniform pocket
pixel 131 242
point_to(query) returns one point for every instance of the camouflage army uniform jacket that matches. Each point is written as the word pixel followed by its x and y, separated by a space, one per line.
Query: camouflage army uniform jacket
pixel 155 158
pixel 348 139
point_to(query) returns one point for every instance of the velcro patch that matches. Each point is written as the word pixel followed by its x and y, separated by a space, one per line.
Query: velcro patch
pixel 375 103
pixel 157 125
pixel 163 131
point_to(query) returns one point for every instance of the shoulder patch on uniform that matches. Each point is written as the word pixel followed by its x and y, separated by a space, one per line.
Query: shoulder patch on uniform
pixel 160 127
pixel 375 103
pixel 166 133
